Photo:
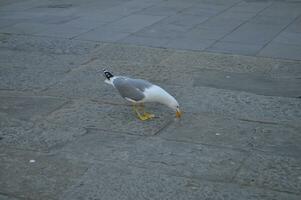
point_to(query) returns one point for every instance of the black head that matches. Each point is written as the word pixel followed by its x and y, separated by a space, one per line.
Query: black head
pixel 107 74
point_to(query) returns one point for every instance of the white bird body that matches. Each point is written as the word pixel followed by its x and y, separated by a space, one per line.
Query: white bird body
pixel 157 94
pixel 139 91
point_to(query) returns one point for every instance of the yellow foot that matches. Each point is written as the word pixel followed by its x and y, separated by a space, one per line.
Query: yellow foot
pixel 146 116
pixel 150 116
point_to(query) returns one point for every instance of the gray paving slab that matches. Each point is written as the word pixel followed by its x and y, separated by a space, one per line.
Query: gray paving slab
pixel 231 14
pixel 177 3
pixel 47 45
pixel 286 37
pixel 250 33
pixel 101 34
pixel 84 113
pixel 206 9
pixel 92 5
pixel 132 23
pixel 44 177
pixel 24 16
pixel 234 63
pixel 144 41
pixel 163 30
pixel 272 20
pixel 53 9
pixel 279 50
pixel 239 137
pixel 226 132
pixel 189 43
pixel 250 6
pixel 225 15
pixel 39 136
pixel 167 157
pixel 49 68
pixel 4 3
pixel 241 105
pixel 292 9
pixel 22 21
pixel 284 176
pixel 99 16
pixel 20 5
pixel 82 22
pixel 235 48
pixel 24 28
pixel 11 128
pixel 53 19
pixel 123 182
pixel 185 20
pixel 219 22
pixel 8 22
pixel 158 10
pixel 249 82
pixel 29 108
pixel 123 9
pixel 295 26
pixel 62 31
pixel 207 33
pixel 132 53
pixel 8 197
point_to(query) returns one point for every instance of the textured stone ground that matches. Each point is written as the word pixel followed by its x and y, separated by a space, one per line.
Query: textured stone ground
pixel 64 134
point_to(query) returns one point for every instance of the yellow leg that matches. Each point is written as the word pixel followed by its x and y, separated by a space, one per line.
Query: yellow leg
pixel 144 116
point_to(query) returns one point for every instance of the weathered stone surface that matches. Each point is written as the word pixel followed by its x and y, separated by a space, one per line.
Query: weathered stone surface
pixel 32 175
pixel 8 197
pixel 226 132
pixel 29 108
pixel 235 48
pixel 273 172
pixel 132 23
pixel 64 134
pixel 124 182
pixel 279 50
pixel 39 70
pixel 84 113
pixel 42 136
pixel 233 63
pixel 11 129
pixel 48 45
pixel 241 105
pixel 132 53
pixel 167 157
pixel 248 82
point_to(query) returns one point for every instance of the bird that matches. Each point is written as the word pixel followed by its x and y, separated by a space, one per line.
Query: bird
pixel 139 91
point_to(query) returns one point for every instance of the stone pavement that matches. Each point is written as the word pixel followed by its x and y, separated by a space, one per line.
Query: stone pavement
pixel 234 66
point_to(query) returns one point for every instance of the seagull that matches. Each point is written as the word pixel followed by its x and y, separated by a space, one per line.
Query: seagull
pixel 139 91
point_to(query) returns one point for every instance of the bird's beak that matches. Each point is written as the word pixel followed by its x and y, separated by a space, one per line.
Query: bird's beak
pixel 178 113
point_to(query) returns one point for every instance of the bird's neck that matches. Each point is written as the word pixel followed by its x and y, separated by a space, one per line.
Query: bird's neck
pixel 157 94
pixel 110 81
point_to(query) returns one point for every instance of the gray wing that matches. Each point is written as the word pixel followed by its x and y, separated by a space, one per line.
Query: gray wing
pixel 131 88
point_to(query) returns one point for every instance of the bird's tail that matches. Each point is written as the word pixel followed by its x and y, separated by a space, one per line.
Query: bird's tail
pixel 107 74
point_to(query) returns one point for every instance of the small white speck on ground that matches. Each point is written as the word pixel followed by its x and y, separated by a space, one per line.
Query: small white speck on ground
pixel 32 161
pixel 217 134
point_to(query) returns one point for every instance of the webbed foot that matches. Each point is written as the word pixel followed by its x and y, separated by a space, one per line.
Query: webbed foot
pixel 148 115
pixel 145 115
